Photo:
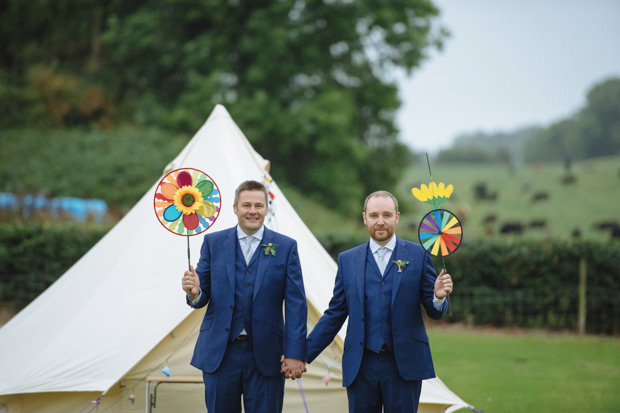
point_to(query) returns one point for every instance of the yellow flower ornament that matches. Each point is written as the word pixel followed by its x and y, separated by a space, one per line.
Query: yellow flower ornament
pixel 433 194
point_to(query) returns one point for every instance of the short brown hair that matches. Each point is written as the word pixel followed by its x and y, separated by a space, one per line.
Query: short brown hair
pixel 251 186
pixel 381 193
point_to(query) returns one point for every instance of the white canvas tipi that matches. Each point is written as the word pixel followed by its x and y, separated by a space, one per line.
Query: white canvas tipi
pixel 98 338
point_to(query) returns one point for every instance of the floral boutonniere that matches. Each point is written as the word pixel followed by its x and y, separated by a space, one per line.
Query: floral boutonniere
pixel 401 264
pixel 269 248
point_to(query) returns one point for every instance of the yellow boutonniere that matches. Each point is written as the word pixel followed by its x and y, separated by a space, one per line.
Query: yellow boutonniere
pixel 269 248
pixel 401 264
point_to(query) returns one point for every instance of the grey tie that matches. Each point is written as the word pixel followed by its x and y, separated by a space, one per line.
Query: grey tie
pixel 247 249
pixel 381 262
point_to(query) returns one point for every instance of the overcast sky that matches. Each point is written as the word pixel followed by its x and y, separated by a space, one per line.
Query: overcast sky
pixel 509 64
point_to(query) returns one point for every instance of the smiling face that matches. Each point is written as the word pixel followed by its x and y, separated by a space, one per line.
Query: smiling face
pixel 251 210
pixel 381 218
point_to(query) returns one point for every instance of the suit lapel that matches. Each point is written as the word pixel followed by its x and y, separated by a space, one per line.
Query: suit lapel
pixel 400 252
pixel 229 247
pixel 264 261
pixel 360 269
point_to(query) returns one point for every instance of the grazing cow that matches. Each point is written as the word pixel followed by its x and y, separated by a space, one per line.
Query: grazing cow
pixel 511 227
pixel 576 233
pixel 540 196
pixel 489 219
pixel 538 224
pixel 612 226
pixel 569 179
pixel 481 192
pixel 603 225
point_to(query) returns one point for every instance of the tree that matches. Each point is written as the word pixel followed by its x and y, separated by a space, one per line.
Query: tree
pixel 308 81
pixel 592 132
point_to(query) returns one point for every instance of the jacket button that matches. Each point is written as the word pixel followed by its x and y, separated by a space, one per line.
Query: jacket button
pixel 231 307
pixel 362 319
pixel 361 343
pixel 226 329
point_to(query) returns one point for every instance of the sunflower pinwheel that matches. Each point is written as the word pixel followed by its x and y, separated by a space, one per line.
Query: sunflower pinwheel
pixel 187 201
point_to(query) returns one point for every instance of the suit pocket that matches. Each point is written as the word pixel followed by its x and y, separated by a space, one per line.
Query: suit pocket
pixel 278 267
pixel 206 324
pixel 420 337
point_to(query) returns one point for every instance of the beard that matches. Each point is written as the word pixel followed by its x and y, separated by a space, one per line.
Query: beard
pixel 380 234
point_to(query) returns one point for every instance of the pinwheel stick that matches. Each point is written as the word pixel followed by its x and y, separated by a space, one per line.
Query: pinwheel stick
pixel 447 296
pixel 189 267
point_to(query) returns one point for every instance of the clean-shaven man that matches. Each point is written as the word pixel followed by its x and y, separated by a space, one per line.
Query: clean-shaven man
pixel 245 275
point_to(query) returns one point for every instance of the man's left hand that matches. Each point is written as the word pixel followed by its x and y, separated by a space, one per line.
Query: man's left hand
pixel 443 285
pixel 293 368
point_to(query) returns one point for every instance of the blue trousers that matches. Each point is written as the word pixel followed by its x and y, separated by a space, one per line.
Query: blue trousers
pixel 378 384
pixel 237 376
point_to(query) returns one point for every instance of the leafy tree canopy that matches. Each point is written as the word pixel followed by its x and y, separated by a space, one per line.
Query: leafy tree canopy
pixel 308 81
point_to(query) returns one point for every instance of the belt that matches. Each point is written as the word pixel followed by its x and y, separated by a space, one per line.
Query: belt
pixel 384 348
pixel 242 337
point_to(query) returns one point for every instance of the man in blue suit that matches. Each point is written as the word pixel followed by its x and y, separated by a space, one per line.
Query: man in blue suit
pixel 245 274
pixel 386 349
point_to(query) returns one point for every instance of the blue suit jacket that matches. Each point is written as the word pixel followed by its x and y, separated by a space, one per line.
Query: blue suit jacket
pixel 412 287
pixel 278 279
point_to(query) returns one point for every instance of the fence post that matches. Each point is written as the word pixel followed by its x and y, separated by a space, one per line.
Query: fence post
pixel 583 275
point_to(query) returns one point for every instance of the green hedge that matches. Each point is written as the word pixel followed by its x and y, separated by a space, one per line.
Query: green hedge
pixel 33 256
pixel 536 284
pixel 520 283
pixel 503 283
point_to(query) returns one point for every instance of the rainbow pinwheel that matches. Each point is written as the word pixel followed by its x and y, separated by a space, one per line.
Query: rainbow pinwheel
pixel 440 232
pixel 187 201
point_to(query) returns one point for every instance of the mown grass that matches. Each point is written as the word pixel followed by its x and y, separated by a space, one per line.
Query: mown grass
pixel 529 372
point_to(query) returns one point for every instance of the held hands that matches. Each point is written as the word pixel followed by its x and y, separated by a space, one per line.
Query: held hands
pixel 292 368
pixel 191 282
pixel 443 285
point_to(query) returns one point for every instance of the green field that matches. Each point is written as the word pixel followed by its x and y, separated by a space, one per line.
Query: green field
pixel 530 372
pixel 594 197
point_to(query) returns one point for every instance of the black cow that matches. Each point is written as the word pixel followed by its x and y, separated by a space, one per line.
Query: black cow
pixel 511 227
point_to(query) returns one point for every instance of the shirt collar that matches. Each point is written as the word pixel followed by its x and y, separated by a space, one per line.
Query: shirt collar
pixel 258 234
pixel 391 244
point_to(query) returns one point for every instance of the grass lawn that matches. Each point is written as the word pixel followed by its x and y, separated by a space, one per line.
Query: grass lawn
pixel 528 372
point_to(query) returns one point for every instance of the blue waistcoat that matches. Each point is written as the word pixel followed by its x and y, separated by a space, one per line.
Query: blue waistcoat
pixel 377 306
pixel 245 277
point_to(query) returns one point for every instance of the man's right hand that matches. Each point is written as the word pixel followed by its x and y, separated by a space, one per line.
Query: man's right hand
pixel 191 282
pixel 292 368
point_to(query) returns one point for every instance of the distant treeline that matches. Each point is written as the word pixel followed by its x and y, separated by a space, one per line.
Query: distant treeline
pixel 592 132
